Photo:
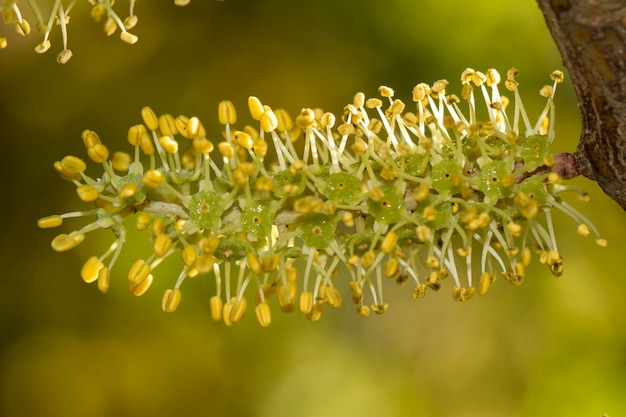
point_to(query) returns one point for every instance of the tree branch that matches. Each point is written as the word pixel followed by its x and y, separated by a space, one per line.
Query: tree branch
pixel 591 36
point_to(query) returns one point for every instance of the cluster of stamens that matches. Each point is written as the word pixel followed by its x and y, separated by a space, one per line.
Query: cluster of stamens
pixel 299 209
pixel 101 11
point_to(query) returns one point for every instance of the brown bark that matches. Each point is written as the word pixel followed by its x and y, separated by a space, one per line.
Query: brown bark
pixel 591 36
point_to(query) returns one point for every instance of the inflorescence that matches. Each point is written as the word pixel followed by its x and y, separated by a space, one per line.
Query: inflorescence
pixel 385 194
pixel 101 11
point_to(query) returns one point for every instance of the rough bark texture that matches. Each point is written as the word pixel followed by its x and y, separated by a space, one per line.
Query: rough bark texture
pixel 591 36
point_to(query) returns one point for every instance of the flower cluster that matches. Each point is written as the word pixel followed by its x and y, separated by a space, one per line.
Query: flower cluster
pixel 101 11
pixel 384 194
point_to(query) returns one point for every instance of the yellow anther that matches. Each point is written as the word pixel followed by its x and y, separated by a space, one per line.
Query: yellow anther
pixel 511 85
pixel 90 138
pixel 316 313
pixel 376 194
pixel 226 149
pixel 226 113
pixel 358 100
pixel 439 86
pixel 346 129
pixel 391 267
pixel 64 56
pixel 208 245
pixel 385 91
pixel 380 308
pixel 420 291
pixel 140 288
pixel 97 12
pixel 243 139
pixel 389 242
pixel 149 118
pixel 306 302
pixel 456 293
pixel 432 262
pixel 287 296
pixel 328 120
pixel 87 192
pixel 143 221
pixel 333 297
pixel 285 123
pixel 306 118
pixel 260 147
pixel 557 76
pixel 91 268
pixel 98 153
pixel 180 123
pixel 169 144
pixel 130 22
pixel 356 291
pixel 139 271
pixel 467 293
pixel 128 191
pixel 162 243
pixel 433 281
pixel 146 145
pixel 302 206
pixel 492 77
pixel 195 128
pixel 50 221
pixel 73 165
pixel 372 103
pixel 466 75
pixel 464 252
pixel 121 161
pixel 264 184
pixel 546 91
pixel 4 44
pixel 204 263
pixel 253 263
pixel 65 242
pixel 110 26
pixel 368 258
pixel 104 279
pixel 526 256
pixel 292 274
pixel 514 228
pixel 397 107
pixel 171 300
pixel 507 180
pixel 528 207
pixel 484 283
pixel 189 254
pixel 421 193
pixel 424 233
pixel 167 125
pixel 135 133
pixel 152 178
pixel 363 311
pixel 226 311
pixel 23 27
pixel 216 305
pixel 129 37
pixel 203 145
pixel 256 107
pixel 263 314
pixel 430 213
pixel 240 305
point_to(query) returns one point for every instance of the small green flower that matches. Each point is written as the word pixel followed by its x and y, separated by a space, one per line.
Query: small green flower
pixel 393 193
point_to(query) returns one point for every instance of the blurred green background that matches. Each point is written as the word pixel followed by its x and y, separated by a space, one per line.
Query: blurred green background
pixel 550 347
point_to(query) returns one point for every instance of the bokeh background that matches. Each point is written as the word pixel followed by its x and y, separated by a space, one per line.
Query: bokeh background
pixel 554 346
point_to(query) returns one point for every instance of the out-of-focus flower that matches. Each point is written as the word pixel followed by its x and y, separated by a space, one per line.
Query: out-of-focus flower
pixel 102 11
pixel 383 194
